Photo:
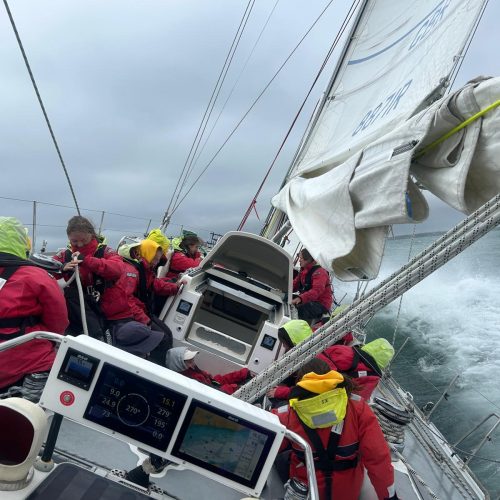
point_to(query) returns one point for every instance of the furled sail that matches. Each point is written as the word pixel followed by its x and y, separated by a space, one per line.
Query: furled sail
pixel 351 180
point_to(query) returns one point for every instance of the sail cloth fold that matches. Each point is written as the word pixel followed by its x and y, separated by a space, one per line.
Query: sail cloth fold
pixel 342 216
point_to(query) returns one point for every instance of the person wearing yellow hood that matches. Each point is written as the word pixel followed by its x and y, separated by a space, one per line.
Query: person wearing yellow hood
pixel 134 327
pixel 343 432
pixel 30 300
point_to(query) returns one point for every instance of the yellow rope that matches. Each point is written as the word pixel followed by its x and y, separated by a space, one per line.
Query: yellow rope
pixel 462 125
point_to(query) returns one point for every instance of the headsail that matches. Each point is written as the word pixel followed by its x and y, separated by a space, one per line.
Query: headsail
pixel 351 180
pixel 400 53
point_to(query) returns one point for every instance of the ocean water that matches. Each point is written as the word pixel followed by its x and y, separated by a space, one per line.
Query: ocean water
pixel 452 320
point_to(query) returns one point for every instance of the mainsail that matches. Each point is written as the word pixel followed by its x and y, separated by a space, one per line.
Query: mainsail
pixel 351 179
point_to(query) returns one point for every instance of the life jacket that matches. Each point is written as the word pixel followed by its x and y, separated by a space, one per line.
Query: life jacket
pixel 304 287
pixel 324 458
pixel 11 265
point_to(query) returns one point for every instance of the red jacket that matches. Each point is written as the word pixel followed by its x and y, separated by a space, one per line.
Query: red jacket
pixel 362 438
pixel 340 358
pixel 109 267
pixel 30 291
pixel 321 289
pixel 181 262
pixel 130 301
pixel 228 382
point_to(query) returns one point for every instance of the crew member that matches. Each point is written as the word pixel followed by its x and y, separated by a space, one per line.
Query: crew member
pixel 315 295
pixel 186 255
pixel 99 267
pixel 344 434
pixel 30 300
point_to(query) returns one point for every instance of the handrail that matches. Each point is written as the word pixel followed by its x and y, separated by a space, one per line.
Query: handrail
pixel 485 438
pixel 311 474
pixel 39 334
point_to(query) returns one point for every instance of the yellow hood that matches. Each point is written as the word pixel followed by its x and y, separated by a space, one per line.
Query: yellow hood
pixel 148 249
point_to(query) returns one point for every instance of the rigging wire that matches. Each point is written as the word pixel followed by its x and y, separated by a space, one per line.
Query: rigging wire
pixel 463 55
pixel 343 27
pixel 237 80
pixel 208 111
pixel 41 103
pixel 192 161
pixel 251 107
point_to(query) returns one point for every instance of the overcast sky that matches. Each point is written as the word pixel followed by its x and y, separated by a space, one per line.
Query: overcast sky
pixel 125 84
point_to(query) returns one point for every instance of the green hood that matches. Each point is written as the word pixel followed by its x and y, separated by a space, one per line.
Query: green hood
pixel 124 250
pixel 298 330
pixel 381 351
pixel 13 237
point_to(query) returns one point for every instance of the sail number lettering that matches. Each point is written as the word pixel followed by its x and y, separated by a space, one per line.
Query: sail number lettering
pixel 383 108
pixel 429 23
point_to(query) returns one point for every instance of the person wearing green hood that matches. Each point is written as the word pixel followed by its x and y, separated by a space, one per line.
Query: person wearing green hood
pixel 364 364
pixel 30 300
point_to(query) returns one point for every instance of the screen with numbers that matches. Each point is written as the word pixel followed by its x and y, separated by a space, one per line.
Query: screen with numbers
pixel 135 407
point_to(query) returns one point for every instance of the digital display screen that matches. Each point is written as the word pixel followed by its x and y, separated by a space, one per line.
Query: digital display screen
pixel 184 307
pixel 78 369
pixel 223 443
pixel 268 342
pixel 136 407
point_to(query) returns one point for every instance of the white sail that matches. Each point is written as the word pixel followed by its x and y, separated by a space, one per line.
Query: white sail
pixel 400 53
pixel 351 180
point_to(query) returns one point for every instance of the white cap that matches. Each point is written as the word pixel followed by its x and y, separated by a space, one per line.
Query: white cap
pixel 190 354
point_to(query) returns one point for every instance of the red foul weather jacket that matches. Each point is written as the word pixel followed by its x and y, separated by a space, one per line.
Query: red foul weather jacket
pixel 227 383
pixel 132 296
pixel 341 359
pixel 361 439
pixel 181 262
pixel 109 267
pixel 320 289
pixel 30 291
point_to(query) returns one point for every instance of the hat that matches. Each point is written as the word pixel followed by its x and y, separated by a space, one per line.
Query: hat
pixel 148 249
pixel 160 238
pixel 298 330
pixel 380 350
pixel 190 354
pixel 13 237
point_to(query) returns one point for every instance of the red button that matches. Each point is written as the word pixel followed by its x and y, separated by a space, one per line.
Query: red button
pixel 67 398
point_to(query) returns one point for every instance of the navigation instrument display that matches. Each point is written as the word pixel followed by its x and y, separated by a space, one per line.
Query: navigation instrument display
pixel 136 407
pixel 223 443
pixel 78 369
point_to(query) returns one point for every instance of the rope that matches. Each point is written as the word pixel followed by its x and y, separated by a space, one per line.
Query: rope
pixel 294 121
pixel 208 111
pixel 41 104
pixel 235 83
pixel 441 251
pixel 250 108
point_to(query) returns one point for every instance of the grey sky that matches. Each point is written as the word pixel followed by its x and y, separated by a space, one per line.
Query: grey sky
pixel 125 84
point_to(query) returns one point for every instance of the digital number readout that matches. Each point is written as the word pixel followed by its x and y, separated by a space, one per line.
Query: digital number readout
pixel 136 407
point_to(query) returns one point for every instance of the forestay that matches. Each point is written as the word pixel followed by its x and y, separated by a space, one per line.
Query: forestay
pixel 400 53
